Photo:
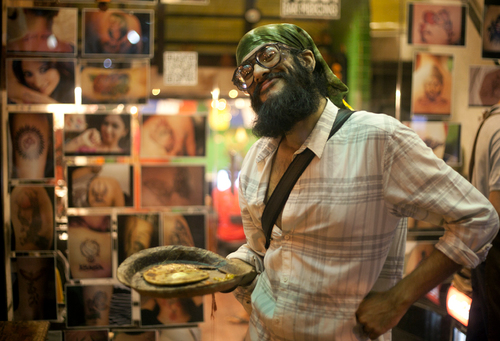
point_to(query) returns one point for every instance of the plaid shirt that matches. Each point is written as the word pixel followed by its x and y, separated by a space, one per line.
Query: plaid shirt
pixel 342 234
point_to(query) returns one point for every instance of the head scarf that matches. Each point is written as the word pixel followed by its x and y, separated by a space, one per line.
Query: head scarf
pixel 296 37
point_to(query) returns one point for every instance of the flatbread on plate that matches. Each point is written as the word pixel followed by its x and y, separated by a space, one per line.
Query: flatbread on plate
pixel 174 274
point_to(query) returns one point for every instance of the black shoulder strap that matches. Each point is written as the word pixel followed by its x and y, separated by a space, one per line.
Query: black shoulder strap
pixel 294 171
pixel 473 154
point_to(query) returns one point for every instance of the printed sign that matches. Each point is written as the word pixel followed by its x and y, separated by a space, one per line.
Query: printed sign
pixel 321 9
pixel 180 68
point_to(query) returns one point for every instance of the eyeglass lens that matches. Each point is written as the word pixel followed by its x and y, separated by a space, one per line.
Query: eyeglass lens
pixel 267 57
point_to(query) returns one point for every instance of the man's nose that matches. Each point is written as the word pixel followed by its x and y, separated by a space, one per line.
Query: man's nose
pixel 259 73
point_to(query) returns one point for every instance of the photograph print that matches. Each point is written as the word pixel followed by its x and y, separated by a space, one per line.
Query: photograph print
pixel 40 81
pixel 31 146
pixel 32 218
pixel 436 24
pixel 34 288
pixel 491 30
pixel 107 185
pixel 115 82
pixel 97 134
pixel 42 31
pixel 431 84
pixel 117 32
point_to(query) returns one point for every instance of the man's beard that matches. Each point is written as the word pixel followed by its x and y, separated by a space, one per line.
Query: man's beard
pixel 298 99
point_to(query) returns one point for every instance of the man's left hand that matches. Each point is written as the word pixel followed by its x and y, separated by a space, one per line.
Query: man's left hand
pixel 378 313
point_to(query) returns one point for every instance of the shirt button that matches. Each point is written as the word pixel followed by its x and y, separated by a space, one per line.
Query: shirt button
pixel 285 279
pixel 287 237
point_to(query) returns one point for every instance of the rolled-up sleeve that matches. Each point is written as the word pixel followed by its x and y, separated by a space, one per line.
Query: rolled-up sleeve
pixel 422 186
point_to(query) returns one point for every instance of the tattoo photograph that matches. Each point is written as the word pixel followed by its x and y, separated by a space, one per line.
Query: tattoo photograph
pixel 173 135
pixel 34 288
pixel 115 82
pixel 32 218
pixel 136 232
pixel 90 246
pixel 186 229
pixel 491 31
pixel 117 33
pixel 432 84
pixel 171 311
pixel 98 305
pixel 31 146
pixel 109 185
pixel 436 24
pixel 97 134
pixel 86 335
pixel 40 31
pixel 172 186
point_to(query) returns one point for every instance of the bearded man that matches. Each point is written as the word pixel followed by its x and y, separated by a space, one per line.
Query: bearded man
pixel 334 264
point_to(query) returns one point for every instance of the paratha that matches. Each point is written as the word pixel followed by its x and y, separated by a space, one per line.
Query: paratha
pixel 174 274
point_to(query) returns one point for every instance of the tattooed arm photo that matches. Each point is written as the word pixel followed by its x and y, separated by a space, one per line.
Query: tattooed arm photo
pixel 32 148
pixel 32 218
pixel 176 231
pixel 96 303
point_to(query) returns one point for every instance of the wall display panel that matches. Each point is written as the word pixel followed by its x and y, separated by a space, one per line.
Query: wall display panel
pixel 484 85
pixel 431 23
pixel 37 30
pixel 109 185
pixel 442 137
pixel 172 186
pixel 31 146
pixel 137 232
pixel 82 335
pixel 115 82
pixel 97 134
pixel 116 32
pixel 432 84
pixel 90 246
pixel 40 80
pixel 165 136
pixel 32 218
pixel 98 305
pixel 491 30
pixel 34 288
pixel 134 335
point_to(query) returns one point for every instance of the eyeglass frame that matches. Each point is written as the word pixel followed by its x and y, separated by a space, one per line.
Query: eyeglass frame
pixel 251 61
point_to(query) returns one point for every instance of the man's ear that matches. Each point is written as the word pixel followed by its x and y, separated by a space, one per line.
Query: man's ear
pixel 308 59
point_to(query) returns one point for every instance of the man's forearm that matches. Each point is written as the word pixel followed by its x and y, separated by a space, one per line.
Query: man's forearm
pixel 431 271
pixel 381 311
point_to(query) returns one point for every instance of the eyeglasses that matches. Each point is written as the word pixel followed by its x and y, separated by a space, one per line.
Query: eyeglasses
pixel 269 56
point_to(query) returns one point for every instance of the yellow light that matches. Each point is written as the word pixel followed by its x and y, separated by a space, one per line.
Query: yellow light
pixel 233 93
pixel 133 110
pixel 155 92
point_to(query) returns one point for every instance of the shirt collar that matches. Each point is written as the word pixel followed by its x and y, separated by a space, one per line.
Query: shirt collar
pixel 316 141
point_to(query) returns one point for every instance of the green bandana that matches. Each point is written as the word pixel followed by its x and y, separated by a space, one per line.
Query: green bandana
pixel 296 37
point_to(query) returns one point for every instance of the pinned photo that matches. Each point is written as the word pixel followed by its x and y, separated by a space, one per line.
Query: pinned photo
pixel 436 24
pixel 118 32
pixel 97 134
pixel 40 81
pixel 42 30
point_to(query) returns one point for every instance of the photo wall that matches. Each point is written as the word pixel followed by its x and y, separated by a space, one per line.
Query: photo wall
pixel 91 179
pixel 436 38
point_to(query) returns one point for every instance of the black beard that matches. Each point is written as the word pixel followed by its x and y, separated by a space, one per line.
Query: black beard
pixel 298 100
